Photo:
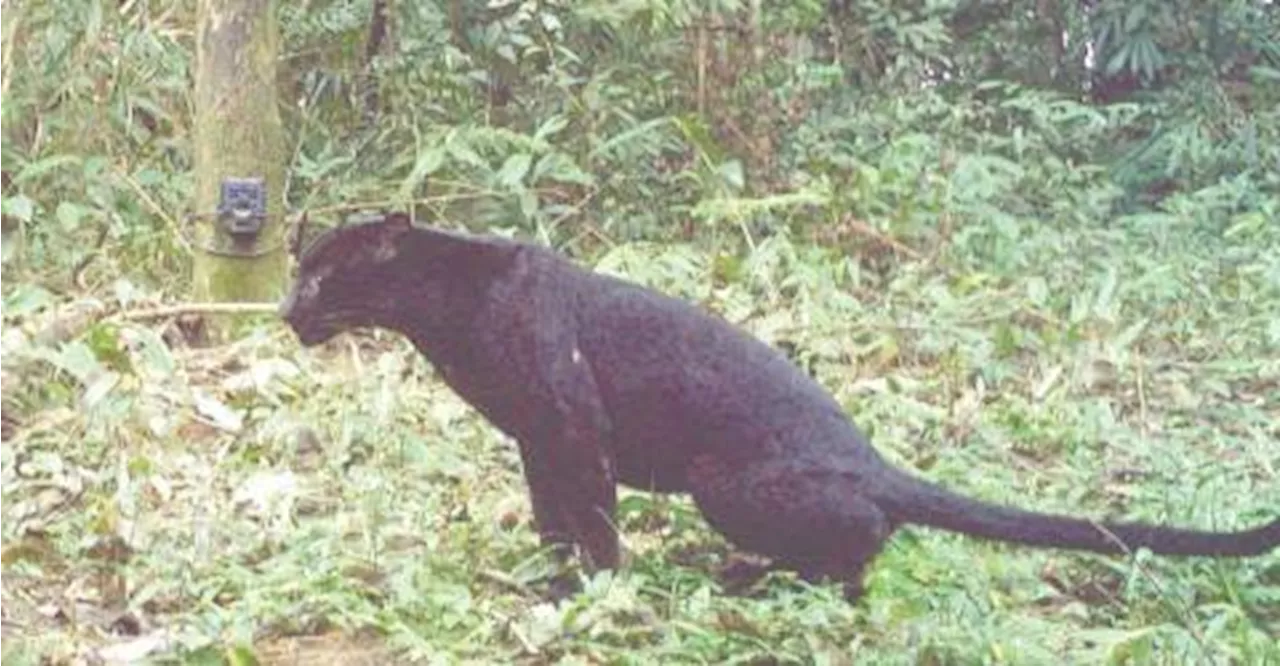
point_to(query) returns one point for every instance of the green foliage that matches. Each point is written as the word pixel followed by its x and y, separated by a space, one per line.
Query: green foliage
pixel 1040 270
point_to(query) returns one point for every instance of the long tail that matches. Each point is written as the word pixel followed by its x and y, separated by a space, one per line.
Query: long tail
pixel 913 500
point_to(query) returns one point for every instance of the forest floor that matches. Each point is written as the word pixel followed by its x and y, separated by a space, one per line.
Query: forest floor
pixel 255 502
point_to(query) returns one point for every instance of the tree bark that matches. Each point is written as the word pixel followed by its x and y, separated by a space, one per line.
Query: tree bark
pixel 238 134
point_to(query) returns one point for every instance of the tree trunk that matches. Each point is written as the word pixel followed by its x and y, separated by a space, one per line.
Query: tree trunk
pixel 239 135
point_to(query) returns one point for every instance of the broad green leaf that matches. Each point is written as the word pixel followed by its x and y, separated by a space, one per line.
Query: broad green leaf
pixel 40 167
pixel 514 169
pixel 459 150
pixel 561 168
pixel 70 215
pixel 152 357
pixel 25 299
pixel 1037 290
pixel 99 388
pixel 551 127
pixel 76 359
pixel 732 174
pixel 528 204
pixel 18 206
pixel 1263 72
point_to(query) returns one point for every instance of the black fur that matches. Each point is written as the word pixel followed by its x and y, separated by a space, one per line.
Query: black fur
pixel 602 381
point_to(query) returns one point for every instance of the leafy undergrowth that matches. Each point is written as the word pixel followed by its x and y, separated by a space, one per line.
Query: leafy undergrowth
pixel 260 502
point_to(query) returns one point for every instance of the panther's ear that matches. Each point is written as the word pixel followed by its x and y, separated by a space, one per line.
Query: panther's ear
pixel 397 220
pixel 390 231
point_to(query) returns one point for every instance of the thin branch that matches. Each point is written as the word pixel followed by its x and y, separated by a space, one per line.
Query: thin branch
pixel 863 229
pixel 180 309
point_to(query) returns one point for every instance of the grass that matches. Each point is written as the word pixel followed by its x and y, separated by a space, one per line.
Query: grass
pixel 260 502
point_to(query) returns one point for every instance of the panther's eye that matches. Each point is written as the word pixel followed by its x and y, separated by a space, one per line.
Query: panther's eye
pixel 310 287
